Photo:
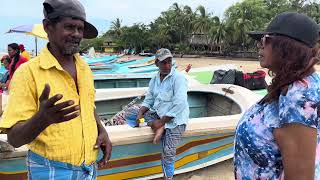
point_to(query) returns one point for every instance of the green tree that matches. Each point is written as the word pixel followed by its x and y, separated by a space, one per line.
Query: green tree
pixel 135 37
pixel 174 27
pixel 116 27
pixel 97 43
pixel 313 10
pixel 159 35
pixel 205 24
pixel 202 22
pixel 244 17
pixel 219 35
pixel 188 19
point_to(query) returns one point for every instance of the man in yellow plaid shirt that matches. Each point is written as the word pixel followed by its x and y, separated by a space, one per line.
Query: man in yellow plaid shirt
pixel 51 101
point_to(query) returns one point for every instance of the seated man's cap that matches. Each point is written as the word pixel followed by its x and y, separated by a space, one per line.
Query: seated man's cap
pixel 69 8
pixel 163 54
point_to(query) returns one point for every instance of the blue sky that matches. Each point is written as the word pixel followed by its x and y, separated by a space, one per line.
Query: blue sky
pixel 99 12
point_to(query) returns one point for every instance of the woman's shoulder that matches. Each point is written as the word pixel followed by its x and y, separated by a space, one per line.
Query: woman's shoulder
pixel 300 103
pixel 309 83
pixel 314 78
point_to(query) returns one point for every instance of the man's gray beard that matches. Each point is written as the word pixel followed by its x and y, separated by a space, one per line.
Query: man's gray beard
pixel 71 51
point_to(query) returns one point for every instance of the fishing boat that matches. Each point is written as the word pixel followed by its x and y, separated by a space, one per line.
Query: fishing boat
pixel 214 113
pixel 129 80
pixel 133 80
pixel 103 59
pixel 145 65
pixel 124 76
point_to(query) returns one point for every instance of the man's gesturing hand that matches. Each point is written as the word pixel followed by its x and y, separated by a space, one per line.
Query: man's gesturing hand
pixel 55 113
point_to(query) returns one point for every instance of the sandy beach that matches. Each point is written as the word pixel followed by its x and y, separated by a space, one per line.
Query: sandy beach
pixel 245 64
pixel 220 171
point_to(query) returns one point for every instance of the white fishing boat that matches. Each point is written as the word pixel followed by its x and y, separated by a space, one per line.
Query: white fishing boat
pixel 214 113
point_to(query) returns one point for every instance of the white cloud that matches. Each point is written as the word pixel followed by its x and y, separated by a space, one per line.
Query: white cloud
pixel 100 12
pixel 129 11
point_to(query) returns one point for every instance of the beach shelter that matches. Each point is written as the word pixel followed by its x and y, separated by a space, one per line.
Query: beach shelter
pixel 35 30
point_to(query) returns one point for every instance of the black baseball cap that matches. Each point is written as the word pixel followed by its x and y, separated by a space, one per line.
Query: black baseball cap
pixel 69 8
pixel 293 25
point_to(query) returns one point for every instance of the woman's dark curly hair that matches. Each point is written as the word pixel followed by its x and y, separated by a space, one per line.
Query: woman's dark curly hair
pixel 293 60
pixel 16 57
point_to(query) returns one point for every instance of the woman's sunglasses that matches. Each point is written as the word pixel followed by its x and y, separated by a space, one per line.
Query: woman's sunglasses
pixel 262 43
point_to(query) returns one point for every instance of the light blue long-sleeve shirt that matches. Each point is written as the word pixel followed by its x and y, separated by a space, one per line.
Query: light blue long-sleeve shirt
pixel 169 98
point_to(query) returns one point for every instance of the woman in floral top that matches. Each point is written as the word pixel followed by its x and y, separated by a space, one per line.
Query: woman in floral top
pixel 277 138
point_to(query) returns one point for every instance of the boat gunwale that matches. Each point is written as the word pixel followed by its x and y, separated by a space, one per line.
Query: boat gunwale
pixel 124 134
pixel 124 76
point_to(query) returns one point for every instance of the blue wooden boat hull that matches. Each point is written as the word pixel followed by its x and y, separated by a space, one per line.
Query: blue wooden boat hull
pixel 104 59
pixel 143 159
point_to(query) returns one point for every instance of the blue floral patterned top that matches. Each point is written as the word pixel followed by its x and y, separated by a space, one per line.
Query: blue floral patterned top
pixel 257 155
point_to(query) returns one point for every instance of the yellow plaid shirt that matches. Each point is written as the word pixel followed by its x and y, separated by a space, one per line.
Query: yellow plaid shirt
pixel 72 141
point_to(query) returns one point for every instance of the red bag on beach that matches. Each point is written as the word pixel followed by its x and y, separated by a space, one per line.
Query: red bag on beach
pixel 253 81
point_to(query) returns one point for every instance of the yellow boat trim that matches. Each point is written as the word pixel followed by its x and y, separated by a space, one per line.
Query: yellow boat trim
pixel 15 172
pixel 157 169
pixel 129 157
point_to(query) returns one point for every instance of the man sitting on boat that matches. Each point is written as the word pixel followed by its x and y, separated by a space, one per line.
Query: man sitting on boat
pixel 51 106
pixel 165 108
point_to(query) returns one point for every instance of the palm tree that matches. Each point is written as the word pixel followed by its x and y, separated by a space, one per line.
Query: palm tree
pixel 116 27
pixel 160 31
pixel 176 8
pixel 177 22
pixel 220 35
pixel 240 21
pixel 187 10
pixel 242 26
pixel 188 18
pixel 202 22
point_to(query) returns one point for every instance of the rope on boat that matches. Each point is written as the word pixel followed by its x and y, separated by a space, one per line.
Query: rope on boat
pixel 111 121
pixel 5 146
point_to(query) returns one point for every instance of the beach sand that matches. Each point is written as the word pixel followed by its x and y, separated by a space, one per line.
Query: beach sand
pixel 222 170
pixel 245 64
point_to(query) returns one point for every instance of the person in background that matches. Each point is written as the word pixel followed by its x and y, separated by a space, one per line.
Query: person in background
pixel 16 58
pixel 278 137
pixel 33 54
pixel 24 53
pixel 3 57
pixel 52 102
pixel 3 81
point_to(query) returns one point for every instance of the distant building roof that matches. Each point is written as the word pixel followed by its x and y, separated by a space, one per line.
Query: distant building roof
pixel 109 42
pixel 109 39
